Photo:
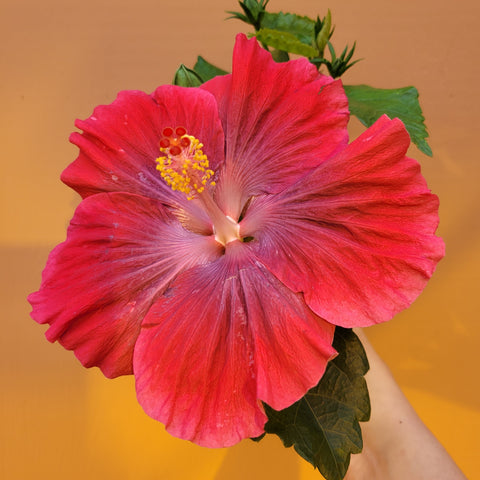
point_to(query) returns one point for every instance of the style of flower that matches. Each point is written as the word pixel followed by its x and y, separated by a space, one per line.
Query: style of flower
pixel 224 231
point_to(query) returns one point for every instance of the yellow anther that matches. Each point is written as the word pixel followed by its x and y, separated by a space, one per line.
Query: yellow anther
pixel 184 166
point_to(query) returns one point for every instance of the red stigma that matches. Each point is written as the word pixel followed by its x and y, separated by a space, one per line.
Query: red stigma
pixel 175 150
pixel 173 141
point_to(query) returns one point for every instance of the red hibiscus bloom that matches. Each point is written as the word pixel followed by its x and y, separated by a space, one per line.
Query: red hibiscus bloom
pixel 216 272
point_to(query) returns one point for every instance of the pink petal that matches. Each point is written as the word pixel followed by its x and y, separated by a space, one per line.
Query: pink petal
pixel 357 236
pixel 121 252
pixel 121 141
pixel 280 121
pixel 292 344
pixel 227 335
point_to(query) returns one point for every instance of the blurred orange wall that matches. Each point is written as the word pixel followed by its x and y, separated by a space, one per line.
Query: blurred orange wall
pixel 60 59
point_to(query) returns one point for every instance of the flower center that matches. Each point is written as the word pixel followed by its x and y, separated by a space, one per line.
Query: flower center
pixel 185 168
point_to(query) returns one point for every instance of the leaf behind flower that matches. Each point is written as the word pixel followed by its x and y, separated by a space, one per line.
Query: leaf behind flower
pixel 206 70
pixel 301 27
pixel 285 41
pixel 369 103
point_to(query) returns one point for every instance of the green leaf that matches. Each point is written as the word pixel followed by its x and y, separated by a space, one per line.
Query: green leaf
pixel 323 426
pixel 254 11
pixel 324 34
pixel 302 28
pixel 368 104
pixel 206 70
pixel 285 41
pixel 185 77
pixel 280 56
pixel 238 16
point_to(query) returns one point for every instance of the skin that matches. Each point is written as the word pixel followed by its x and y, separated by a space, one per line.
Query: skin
pixel 397 444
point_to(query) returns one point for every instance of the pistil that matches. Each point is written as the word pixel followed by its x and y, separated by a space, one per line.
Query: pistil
pixel 184 167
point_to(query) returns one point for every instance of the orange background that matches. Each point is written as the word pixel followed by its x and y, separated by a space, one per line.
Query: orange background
pixel 60 59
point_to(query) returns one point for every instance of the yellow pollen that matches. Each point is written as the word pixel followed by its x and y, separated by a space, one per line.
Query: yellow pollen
pixel 184 166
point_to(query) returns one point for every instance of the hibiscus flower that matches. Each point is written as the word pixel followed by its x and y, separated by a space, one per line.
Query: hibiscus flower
pixel 224 232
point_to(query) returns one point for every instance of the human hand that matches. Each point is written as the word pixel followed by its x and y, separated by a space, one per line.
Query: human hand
pixel 396 443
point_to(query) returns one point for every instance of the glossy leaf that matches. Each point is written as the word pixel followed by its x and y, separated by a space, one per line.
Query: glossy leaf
pixel 325 32
pixel 323 427
pixel 301 27
pixel 368 104
pixel 185 77
pixel 206 71
pixel 285 41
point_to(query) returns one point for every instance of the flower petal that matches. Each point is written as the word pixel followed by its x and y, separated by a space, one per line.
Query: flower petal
pixel 292 344
pixel 121 141
pixel 280 121
pixel 357 235
pixel 227 335
pixel 121 252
